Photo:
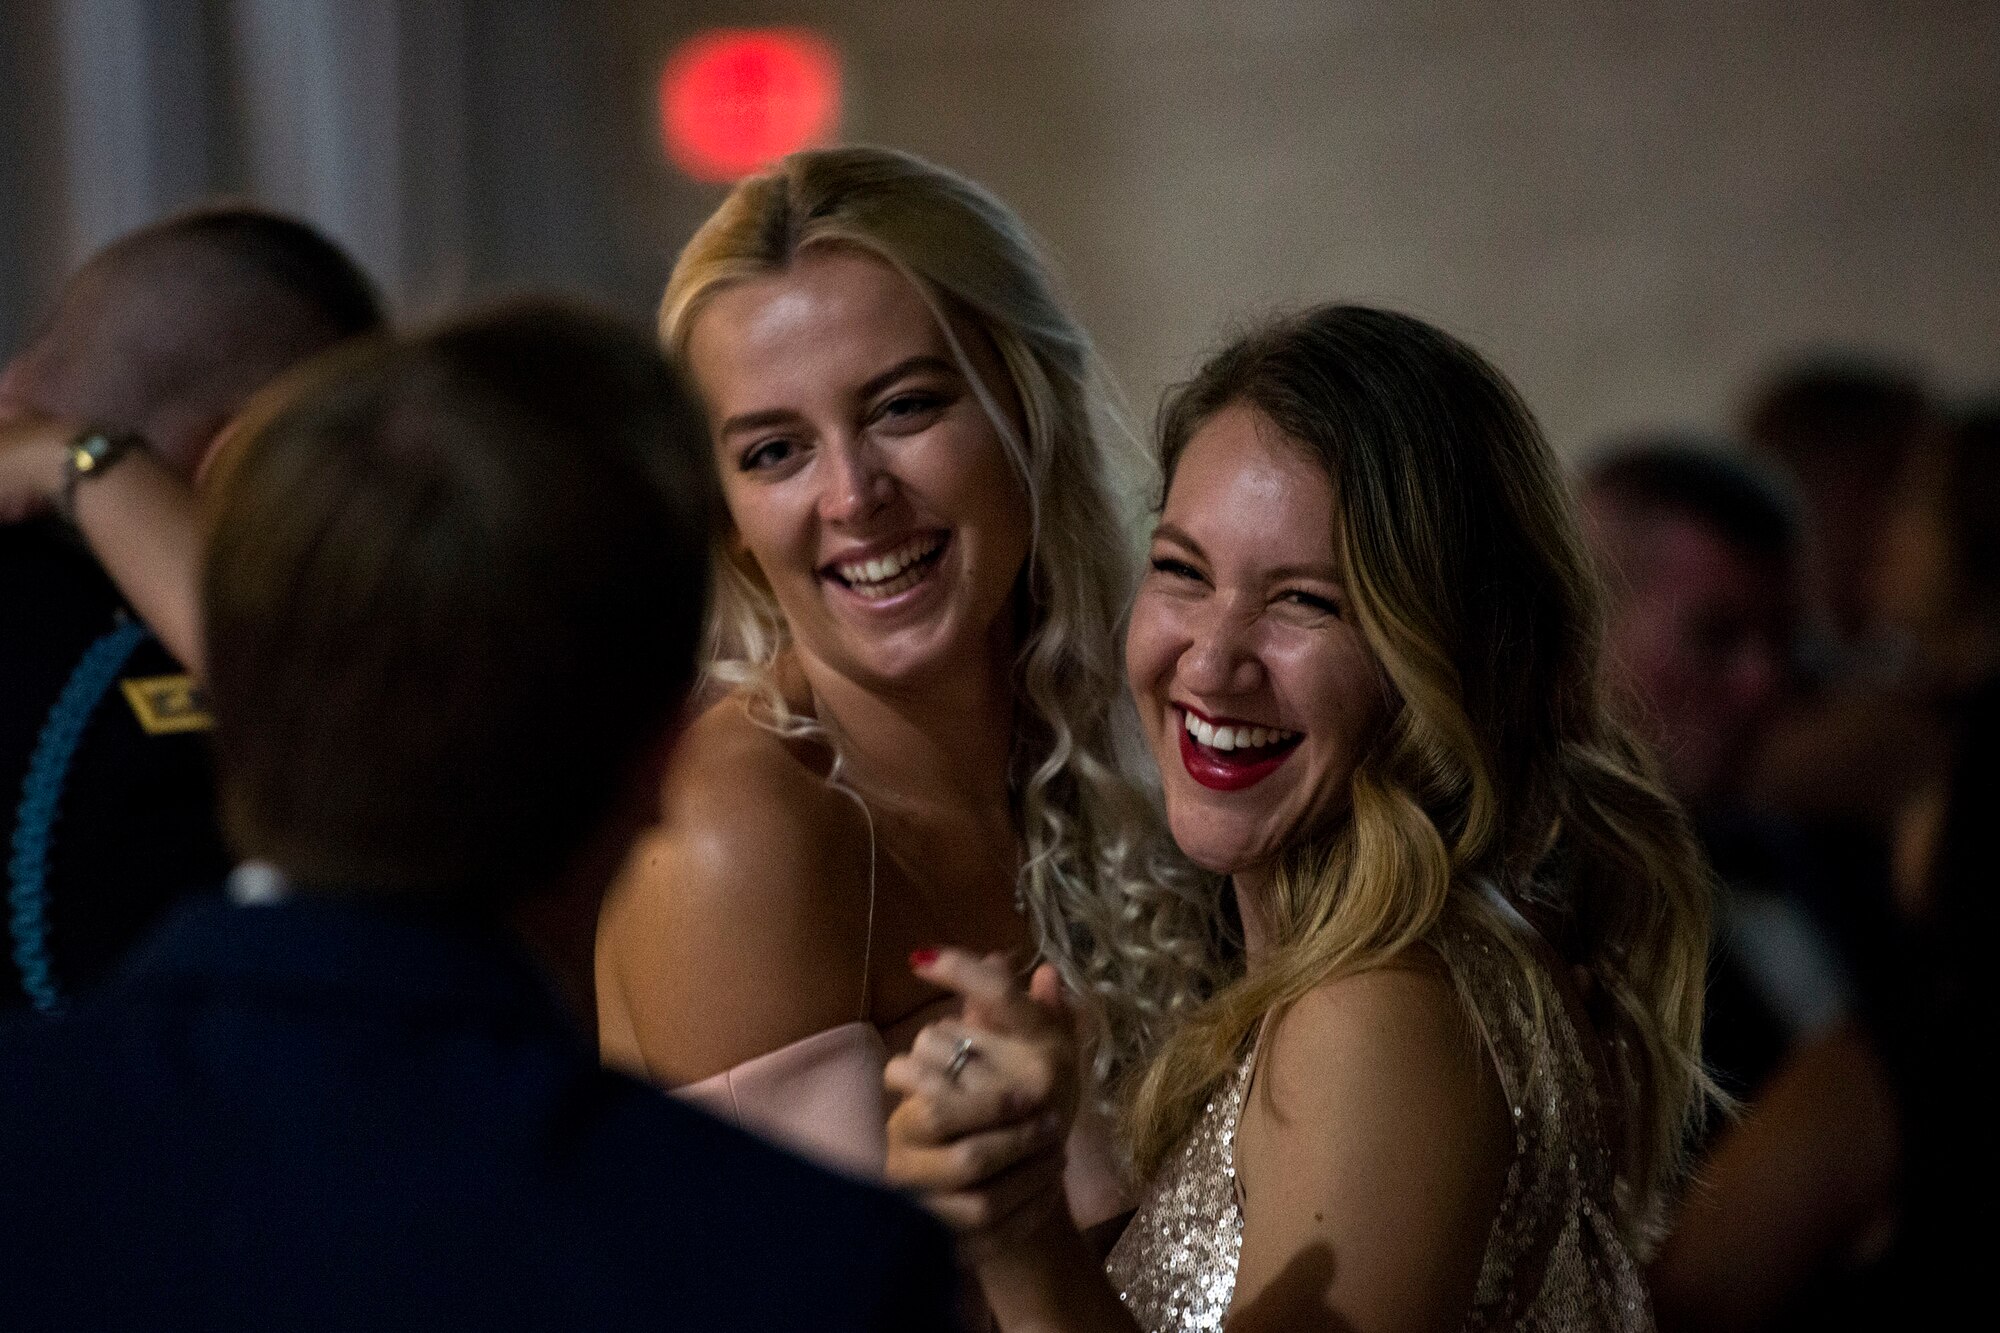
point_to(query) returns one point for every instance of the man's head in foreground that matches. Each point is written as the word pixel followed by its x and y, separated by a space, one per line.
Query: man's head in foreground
pixel 166 332
pixel 1700 547
pixel 454 584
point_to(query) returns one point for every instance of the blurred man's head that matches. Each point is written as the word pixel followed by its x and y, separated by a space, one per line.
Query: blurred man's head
pixel 1846 428
pixel 1700 548
pixel 1937 574
pixel 454 584
pixel 168 331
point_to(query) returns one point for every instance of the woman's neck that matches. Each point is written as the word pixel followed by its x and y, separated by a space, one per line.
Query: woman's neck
pixel 1253 896
pixel 950 742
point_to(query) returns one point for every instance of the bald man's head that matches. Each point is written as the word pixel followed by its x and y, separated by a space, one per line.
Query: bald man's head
pixel 169 331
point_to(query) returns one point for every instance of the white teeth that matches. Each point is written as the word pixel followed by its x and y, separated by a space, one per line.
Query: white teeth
pixel 876 592
pixel 1233 738
pixel 881 569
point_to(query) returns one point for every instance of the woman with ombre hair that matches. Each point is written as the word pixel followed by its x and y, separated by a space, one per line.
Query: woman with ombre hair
pixel 918 729
pixel 1460 932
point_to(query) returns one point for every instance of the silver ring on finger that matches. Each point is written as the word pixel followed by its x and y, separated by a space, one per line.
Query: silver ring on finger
pixel 961 1056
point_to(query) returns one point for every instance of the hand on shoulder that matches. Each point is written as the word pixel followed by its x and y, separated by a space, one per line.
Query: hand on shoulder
pixel 739 926
pixel 1373 1150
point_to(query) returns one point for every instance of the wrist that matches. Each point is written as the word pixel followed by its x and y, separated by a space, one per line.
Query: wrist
pixel 43 455
pixel 1032 1266
pixel 86 456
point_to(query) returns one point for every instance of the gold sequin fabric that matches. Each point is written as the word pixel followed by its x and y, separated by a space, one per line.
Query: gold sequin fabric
pixel 1556 1260
pixel 1175 1266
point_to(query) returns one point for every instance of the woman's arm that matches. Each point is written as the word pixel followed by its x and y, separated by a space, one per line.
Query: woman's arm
pixel 1791 1186
pixel 1373 1149
pixel 740 927
pixel 138 519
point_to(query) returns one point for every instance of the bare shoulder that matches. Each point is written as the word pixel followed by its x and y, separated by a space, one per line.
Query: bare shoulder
pixel 739 925
pixel 1399 1026
pixel 736 790
pixel 1376 1132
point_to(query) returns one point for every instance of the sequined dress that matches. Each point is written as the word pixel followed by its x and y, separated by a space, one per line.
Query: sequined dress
pixel 1556 1260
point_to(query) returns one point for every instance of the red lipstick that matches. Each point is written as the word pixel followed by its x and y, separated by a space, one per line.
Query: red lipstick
pixel 1219 771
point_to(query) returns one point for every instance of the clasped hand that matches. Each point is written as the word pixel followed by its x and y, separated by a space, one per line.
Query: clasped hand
pixel 988 1099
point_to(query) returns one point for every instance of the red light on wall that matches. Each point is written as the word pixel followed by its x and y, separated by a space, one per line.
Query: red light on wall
pixel 735 100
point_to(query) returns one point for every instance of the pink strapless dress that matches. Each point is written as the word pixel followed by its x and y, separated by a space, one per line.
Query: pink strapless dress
pixel 822 1097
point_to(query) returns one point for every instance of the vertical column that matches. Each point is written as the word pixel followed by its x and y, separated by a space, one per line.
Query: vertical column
pixel 564 162
pixel 436 166
pixel 353 118
pixel 134 120
pixel 30 186
pixel 320 119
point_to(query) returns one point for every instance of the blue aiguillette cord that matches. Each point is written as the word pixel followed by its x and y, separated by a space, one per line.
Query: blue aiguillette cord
pixel 41 798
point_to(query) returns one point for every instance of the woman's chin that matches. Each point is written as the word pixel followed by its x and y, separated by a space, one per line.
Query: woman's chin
pixel 1213 851
pixel 908 658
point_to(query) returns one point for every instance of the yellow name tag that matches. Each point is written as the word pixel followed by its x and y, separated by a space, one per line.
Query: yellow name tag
pixel 167 704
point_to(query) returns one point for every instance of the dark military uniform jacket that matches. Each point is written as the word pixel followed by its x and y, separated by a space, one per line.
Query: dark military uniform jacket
pixel 134 827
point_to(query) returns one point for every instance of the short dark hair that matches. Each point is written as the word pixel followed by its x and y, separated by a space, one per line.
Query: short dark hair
pixel 454 583
pixel 292 256
pixel 1745 502
pixel 1842 414
pixel 1971 505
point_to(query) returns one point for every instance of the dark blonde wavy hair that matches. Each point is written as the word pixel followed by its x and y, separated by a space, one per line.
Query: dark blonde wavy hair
pixel 1500 763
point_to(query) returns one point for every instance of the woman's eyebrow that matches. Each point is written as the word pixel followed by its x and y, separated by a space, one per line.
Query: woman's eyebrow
pixel 1168 532
pixel 768 417
pixel 764 420
pixel 907 366
pixel 1318 573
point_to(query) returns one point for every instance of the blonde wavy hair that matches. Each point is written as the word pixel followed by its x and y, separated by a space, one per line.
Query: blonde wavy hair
pixel 1102 886
pixel 1500 763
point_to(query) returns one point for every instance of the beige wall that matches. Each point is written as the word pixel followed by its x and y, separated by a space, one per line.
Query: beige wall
pixel 1630 206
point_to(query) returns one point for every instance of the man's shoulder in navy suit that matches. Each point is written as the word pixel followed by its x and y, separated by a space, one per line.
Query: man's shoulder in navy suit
pixel 318 1115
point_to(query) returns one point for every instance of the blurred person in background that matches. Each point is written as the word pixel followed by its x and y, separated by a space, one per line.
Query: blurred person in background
pixel 1846 429
pixel 1866 733
pixel 915 731
pixel 1936 582
pixel 1854 1194
pixel 453 586
pixel 107 414
pixel 1840 1201
pixel 1702 551
pixel 1448 1046
pixel 1848 752
pixel 1701 548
